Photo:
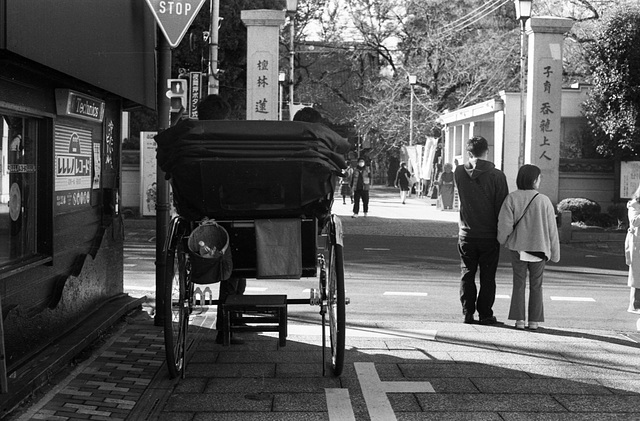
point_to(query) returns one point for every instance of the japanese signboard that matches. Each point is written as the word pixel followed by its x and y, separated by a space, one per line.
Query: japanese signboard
pixel 73 167
pixel 629 178
pixel 148 173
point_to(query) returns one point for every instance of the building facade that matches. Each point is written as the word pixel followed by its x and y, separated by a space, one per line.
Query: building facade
pixel 68 68
pixel 498 121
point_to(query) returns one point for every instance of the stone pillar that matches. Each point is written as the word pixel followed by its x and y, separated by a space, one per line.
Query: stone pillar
pixel 544 98
pixel 263 35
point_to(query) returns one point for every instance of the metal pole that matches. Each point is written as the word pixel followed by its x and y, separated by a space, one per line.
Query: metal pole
pixel 291 63
pixel 162 193
pixel 280 101
pixel 411 117
pixel 213 47
pixel 522 95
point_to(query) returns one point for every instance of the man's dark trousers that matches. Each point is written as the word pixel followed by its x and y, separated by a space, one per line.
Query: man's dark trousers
pixel 485 254
pixel 357 195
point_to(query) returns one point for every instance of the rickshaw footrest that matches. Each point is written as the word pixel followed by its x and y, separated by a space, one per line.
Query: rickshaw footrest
pixel 269 314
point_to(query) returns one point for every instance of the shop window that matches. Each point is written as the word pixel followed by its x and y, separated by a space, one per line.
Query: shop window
pixel 22 194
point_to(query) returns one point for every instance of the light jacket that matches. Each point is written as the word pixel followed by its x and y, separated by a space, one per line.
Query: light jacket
pixel 366 178
pixel 536 231
pixel 632 244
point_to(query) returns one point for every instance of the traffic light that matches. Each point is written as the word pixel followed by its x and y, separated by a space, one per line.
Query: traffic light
pixel 178 94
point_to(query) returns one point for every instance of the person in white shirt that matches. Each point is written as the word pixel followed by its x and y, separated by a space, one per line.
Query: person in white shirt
pixel 527 227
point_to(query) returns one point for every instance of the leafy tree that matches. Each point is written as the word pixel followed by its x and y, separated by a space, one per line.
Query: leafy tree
pixel 613 106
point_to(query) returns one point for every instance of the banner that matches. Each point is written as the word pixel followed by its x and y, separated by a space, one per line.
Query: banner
pixel 148 171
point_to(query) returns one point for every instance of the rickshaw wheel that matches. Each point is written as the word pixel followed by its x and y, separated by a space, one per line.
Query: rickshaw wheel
pixel 177 308
pixel 336 307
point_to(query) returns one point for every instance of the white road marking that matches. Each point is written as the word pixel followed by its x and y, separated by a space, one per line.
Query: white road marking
pixel 503 296
pixel 339 405
pixel 130 265
pixel 376 249
pixel 375 391
pixel 257 289
pixel 416 294
pixel 582 299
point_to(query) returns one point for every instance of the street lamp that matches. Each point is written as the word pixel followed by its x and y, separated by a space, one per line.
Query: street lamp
pixel 412 81
pixel 292 7
pixel 523 12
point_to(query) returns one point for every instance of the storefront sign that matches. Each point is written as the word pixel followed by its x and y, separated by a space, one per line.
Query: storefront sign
pixel 74 104
pixel 73 167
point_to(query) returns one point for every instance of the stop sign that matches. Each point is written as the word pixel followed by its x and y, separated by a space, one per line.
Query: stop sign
pixel 174 17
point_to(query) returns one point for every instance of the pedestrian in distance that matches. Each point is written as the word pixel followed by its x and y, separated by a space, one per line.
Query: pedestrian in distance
pixel 345 184
pixel 446 187
pixel 482 189
pixel 527 227
pixel 214 107
pixel 403 180
pixel 632 252
pixel 360 185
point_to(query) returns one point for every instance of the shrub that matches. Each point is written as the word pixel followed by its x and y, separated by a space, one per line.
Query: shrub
pixel 581 209
pixel 620 212
pixel 602 220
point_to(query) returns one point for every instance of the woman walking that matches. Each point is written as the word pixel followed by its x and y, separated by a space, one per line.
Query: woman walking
pixel 527 227
pixel 446 186
pixel 403 177
pixel 632 252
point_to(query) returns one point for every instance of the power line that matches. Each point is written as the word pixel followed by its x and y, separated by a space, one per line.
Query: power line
pixel 460 27
pixel 473 12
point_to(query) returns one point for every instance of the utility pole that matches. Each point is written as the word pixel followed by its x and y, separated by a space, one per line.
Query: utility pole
pixel 162 186
pixel 213 48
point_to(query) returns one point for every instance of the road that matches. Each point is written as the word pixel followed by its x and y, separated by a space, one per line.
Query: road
pixel 402 269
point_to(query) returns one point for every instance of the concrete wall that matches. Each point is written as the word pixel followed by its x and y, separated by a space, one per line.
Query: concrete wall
pixel 595 186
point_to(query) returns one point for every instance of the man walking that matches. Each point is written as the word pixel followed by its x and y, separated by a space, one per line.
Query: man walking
pixel 360 184
pixel 482 189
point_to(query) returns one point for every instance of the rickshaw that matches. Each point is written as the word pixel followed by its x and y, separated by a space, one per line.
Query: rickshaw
pixel 251 181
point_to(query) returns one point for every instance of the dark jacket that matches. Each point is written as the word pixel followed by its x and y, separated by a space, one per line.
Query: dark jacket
pixel 482 190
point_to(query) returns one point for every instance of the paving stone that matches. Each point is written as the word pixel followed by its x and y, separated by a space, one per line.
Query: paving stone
pixel 611 403
pixel 231 370
pixel 271 385
pixel 449 416
pixel 219 402
pixel 300 402
pixel 539 386
pixel 261 416
pixel 545 416
pixel 431 402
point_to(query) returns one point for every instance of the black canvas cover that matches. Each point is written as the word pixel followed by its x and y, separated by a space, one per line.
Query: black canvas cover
pixel 221 169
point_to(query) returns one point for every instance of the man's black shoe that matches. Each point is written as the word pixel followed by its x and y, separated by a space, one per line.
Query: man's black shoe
pixel 489 321
pixel 232 341
pixel 468 319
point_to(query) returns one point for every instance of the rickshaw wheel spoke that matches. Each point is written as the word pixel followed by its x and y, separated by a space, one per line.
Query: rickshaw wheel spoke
pixel 176 303
pixel 336 307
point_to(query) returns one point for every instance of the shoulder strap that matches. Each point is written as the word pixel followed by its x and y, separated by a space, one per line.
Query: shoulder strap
pixel 525 211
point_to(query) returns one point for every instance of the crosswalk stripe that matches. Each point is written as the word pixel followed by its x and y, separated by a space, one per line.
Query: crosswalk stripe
pixel 582 299
pixel 415 294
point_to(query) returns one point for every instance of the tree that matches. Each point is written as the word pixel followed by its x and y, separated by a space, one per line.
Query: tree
pixel 613 107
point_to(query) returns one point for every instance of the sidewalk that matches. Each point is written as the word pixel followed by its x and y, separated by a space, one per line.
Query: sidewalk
pixel 412 371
